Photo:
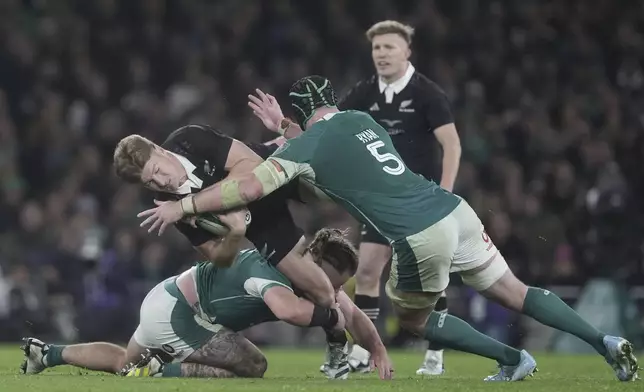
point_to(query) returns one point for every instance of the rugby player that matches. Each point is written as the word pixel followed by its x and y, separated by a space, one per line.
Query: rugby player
pixel 351 159
pixel 196 156
pixel 416 113
pixel 194 318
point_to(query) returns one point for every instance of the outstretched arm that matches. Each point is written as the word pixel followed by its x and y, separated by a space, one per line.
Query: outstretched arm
pixel 359 325
pixel 364 332
pixel 225 195
pixel 244 189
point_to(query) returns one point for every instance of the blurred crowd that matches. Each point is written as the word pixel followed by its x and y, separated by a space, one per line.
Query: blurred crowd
pixel 547 95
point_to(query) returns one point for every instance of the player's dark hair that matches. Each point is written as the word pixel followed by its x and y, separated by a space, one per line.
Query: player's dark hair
pixel 308 94
pixel 332 246
pixel 130 155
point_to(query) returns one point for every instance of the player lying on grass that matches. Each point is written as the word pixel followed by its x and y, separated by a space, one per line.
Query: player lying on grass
pixel 195 317
pixel 433 232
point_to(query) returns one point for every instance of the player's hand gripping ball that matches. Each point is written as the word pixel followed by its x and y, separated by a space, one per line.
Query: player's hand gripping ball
pixel 220 225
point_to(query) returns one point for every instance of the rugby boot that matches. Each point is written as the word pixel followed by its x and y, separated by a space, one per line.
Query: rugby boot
pixel 526 367
pixel 620 357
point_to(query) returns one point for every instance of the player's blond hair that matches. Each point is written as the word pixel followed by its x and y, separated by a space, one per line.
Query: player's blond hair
pixel 391 27
pixel 130 156
pixel 332 246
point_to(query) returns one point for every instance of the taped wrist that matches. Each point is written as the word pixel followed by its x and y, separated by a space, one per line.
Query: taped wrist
pixel 230 195
pixel 188 205
pixel 323 317
pixel 271 175
pixel 283 126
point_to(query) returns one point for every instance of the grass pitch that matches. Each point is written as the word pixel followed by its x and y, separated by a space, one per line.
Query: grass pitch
pixel 297 370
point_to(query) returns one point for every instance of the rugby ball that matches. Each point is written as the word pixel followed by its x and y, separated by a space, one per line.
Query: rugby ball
pixel 212 224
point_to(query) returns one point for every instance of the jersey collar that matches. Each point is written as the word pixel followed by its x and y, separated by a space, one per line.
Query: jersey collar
pixel 193 181
pixel 399 84
pixel 328 116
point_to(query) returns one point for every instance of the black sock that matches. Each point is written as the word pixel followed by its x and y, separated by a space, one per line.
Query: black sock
pixel 369 305
pixel 441 306
pixel 336 337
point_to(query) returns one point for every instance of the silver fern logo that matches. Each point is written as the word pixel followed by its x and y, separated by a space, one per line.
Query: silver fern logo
pixel 404 106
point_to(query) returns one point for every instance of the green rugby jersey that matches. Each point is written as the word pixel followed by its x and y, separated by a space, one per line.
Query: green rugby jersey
pixel 351 158
pixel 233 296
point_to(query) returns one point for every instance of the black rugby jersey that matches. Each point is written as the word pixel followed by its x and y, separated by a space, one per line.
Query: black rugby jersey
pixel 207 149
pixel 410 114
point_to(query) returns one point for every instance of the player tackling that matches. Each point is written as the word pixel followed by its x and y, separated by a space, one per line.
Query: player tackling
pixel 351 159
pixel 193 318
pixel 416 114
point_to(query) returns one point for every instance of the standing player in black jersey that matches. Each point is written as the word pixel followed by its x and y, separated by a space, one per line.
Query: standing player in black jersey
pixel 416 113
pixel 195 157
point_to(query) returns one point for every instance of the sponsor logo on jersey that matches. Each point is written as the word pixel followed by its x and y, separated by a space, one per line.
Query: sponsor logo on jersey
pixel 389 126
pixel 395 131
pixel 404 106
pixel 391 123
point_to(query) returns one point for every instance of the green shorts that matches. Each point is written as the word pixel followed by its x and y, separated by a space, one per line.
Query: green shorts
pixel 421 263
pixel 371 236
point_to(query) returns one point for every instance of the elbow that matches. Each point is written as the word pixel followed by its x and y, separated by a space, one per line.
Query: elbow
pixel 326 299
pixel 453 147
pixel 457 148
pixel 323 294
pixel 251 189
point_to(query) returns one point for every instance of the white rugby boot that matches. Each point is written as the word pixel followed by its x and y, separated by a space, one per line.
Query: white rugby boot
pixel 35 351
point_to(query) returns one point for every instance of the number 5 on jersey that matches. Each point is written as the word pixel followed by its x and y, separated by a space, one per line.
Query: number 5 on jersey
pixel 396 170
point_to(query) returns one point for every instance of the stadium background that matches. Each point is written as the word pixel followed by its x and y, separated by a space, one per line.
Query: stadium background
pixel 548 98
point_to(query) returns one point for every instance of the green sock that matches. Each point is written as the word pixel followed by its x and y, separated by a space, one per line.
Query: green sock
pixel 545 307
pixel 54 356
pixel 172 369
pixel 452 332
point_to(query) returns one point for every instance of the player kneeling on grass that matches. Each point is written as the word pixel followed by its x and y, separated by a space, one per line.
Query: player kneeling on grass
pixel 195 317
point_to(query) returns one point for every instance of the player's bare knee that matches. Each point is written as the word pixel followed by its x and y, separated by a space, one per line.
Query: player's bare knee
pixel 509 291
pixel 372 262
pixel 367 278
pixel 253 366
pixel 131 354
pixel 252 362
pixel 412 325
pixel 412 320
pixel 120 363
pixel 259 366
